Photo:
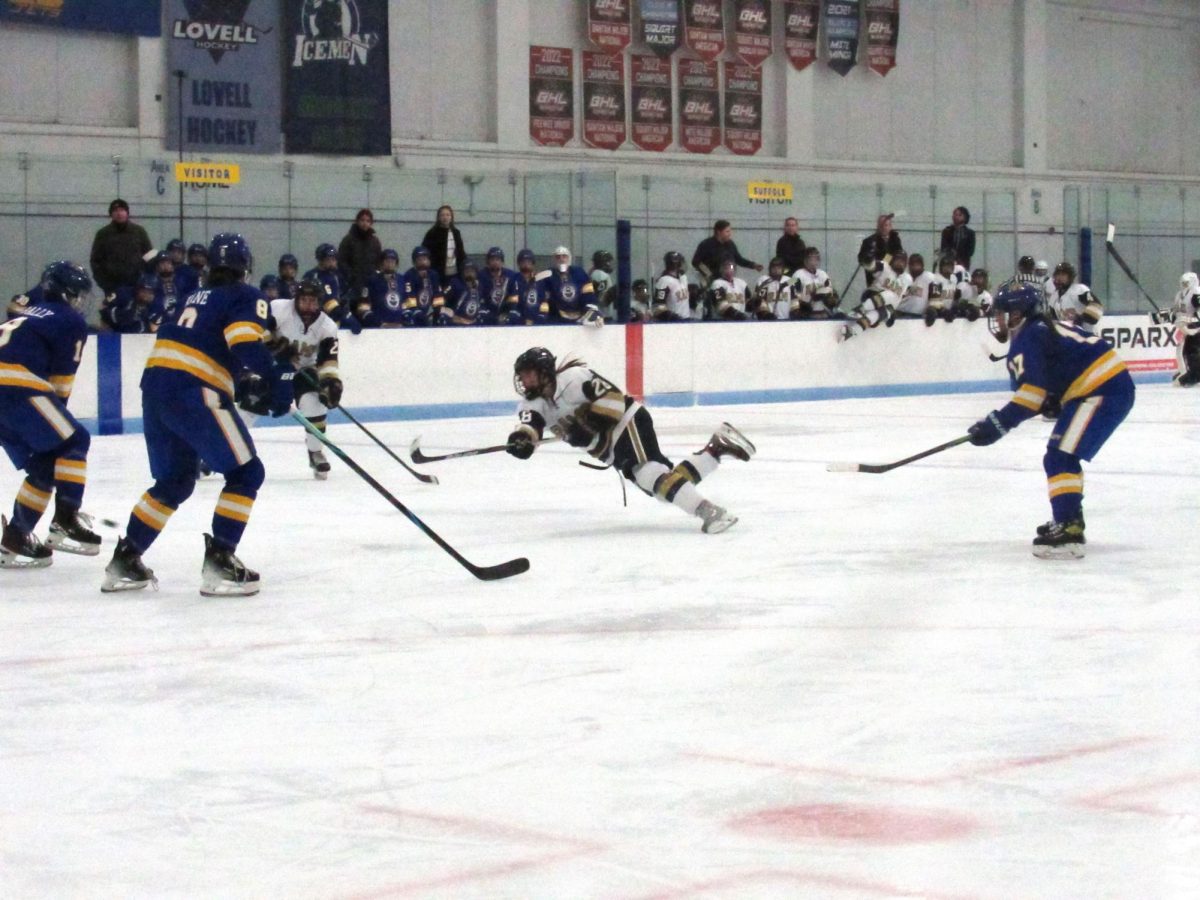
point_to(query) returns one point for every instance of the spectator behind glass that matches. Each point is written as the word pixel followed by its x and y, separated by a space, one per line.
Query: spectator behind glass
pixel 447 252
pixel 958 240
pixel 878 248
pixel 359 254
pixel 790 246
pixel 118 250
pixel 713 251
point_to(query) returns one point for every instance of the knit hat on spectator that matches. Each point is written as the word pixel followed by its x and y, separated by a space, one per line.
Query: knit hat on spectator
pixel 117 204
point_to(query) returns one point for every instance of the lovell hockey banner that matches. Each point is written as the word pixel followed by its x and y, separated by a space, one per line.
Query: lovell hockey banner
pixel 801 18
pixel 883 32
pixel 704 27
pixel 841 34
pixel 120 16
pixel 752 31
pixel 651 97
pixel 609 24
pixel 603 100
pixel 699 106
pixel 551 95
pixel 743 109
pixel 660 26
pixel 337 98
pixel 232 91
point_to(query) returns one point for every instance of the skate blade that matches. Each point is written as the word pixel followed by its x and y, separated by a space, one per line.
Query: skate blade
pixel 719 525
pixel 114 586
pixel 1067 551
pixel 320 476
pixel 228 589
pixel 13 561
pixel 67 545
pixel 741 437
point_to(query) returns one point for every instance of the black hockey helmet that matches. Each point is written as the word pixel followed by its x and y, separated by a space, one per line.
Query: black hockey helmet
pixel 946 259
pixel 309 287
pixel 1026 265
pixel 776 263
pixel 603 260
pixel 673 261
pixel 1064 268
pixel 539 360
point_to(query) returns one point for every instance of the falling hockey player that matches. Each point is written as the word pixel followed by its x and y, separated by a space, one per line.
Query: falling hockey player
pixel 591 413
pixel 1048 357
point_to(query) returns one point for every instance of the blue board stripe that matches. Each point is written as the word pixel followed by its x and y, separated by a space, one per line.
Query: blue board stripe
pixel 108 383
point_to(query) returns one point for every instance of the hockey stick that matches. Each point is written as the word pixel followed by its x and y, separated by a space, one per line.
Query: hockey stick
pixel 1108 243
pixel 414 451
pixel 875 469
pixel 483 573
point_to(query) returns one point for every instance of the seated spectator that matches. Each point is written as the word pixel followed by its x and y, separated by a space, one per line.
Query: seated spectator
pixel 287 268
pixel 423 299
pixel 531 304
pixel 604 286
pixel 119 250
pixel 730 293
pixel 712 252
pixel 878 248
pixel 790 246
pixel 773 293
pixel 464 297
pixel 384 305
pixel 499 287
pixel 358 255
pixel 958 240
pixel 335 302
pixel 570 290
pixel 672 299
pixel 137 310
pixel 447 252
pixel 813 296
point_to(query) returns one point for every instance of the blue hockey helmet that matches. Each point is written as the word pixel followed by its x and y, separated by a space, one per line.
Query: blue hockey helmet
pixel 269 282
pixel 495 253
pixel 229 250
pixel 418 252
pixel 64 280
pixel 176 245
pixel 324 251
pixel 288 260
pixel 1015 303
pixel 389 253
pixel 162 256
pixel 147 283
pixel 526 255
pixel 197 250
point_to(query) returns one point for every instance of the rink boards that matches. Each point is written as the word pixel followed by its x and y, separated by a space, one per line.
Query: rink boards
pixel 442 373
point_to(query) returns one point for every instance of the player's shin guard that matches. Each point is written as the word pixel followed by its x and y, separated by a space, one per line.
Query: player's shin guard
pixel 152 512
pixel 672 486
pixel 1064 478
pixel 311 442
pixel 236 501
pixel 32 499
pixel 70 473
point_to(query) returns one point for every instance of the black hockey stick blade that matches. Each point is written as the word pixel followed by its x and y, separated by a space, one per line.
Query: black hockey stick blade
pixel 880 468
pixel 1112 251
pixel 420 457
pixel 483 573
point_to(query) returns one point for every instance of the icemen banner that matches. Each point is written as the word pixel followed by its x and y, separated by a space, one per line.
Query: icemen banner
pixel 338 98
pixel 752 31
pixel 121 16
pixel 660 26
pixel 841 34
pixel 704 27
pixel 603 100
pixel 651 97
pixel 743 109
pixel 801 18
pixel 232 91
pixel 883 32
pixel 551 95
pixel 609 25
pixel 699 106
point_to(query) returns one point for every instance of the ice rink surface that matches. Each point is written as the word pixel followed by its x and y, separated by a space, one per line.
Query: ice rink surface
pixel 867 688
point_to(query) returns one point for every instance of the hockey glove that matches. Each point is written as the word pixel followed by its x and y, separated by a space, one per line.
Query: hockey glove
pixel 986 431
pixel 577 435
pixel 591 318
pixel 330 391
pixel 282 389
pixel 253 394
pixel 520 444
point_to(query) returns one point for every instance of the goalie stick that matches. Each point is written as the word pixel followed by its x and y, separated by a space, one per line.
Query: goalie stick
pixel 876 469
pixel 418 456
pixel 483 573
pixel 1112 251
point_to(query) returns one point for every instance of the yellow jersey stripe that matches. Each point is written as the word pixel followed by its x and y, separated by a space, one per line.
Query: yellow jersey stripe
pixel 63 385
pixel 173 355
pixel 1095 375
pixel 12 375
pixel 241 332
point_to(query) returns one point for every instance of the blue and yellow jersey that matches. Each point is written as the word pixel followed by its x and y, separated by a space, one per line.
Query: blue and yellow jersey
pixel 532 301
pixel 571 292
pixel 215 334
pixel 1059 359
pixel 41 348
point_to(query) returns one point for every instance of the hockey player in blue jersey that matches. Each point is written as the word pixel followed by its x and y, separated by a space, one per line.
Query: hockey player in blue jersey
pixel 212 353
pixel 1054 358
pixel 167 289
pixel 335 304
pixel 39 355
pixel 531 303
pixel 385 294
pixel 187 279
pixel 572 295
pixel 423 299
pixel 498 285
pixel 287 268
pixel 136 310
pixel 464 297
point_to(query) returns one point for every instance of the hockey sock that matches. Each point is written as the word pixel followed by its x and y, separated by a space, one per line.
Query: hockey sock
pixel 31 502
pixel 149 517
pixel 1064 477
pixel 70 478
pixel 672 486
pixel 698 466
pixel 236 501
pixel 311 442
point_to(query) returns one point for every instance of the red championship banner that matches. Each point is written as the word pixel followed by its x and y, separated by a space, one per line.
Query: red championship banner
pixel 651 98
pixel 699 106
pixel 883 31
pixel 743 109
pixel 801 18
pixel 603 100
pixel 610 26
pixel 551 96
pixel 704 27
pixel 752 31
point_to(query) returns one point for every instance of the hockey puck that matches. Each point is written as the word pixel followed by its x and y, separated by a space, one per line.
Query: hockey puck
pixel 110 523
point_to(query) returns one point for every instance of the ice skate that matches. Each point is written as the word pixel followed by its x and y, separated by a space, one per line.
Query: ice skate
pixel 126 571
pixel 728 441
pixel 223 574
pixel 22 550
pixel 1062 540
pixel 1045 529
pixel 716 518
pixel 319 464
pixel 71 532
pixel 845 333
pixel 1185 379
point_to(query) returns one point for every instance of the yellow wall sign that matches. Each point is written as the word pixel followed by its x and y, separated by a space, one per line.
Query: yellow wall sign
pixel 769 191
pixel 207 173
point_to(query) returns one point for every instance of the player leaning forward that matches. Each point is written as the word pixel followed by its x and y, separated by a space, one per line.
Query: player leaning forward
pixel 592 413
pixel 1048 357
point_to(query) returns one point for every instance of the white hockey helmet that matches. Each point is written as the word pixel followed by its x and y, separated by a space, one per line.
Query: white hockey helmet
pixel 1041 267
pixel 560 250
pixel 1189 282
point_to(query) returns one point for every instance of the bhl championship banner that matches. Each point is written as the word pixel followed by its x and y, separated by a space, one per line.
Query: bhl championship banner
pixel 704 27
pixel 603 100
pixel 609 24
pixel 883 32
pixel 699 106
pixel 142 17
pixel 232 89
pixel 752 31
pixel 801 18
pixel 660 26
pixel 551 95
pixel 841 34
pixel 651 97
pixel 743 108
pixel 337 93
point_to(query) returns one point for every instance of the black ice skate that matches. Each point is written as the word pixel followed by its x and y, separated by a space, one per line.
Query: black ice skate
pixel 1045 529
pixel 1186 379
pixel 319 464
pixel 71 532
pixel 716 518
pixel 126 571
pixel 223 574
pixel 728 441
pixel 21 549
pixel 1062 540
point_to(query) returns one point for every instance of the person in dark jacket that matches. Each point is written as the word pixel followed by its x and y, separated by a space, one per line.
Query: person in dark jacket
pixel 958 240
pixel 712 251
pixel 359 254
pixel 118 250
pixel 879 247
pixel 790 246
pixel 447 252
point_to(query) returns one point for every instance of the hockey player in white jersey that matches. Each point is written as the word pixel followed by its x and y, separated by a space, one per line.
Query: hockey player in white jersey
pixel 671 294
pixel 307 337
pixel 1072 302
pixel 914 300
pixel 730 293
pixel 981 294
pixel 589 412
pixel 773 292
pixel 1184 314
pixel 813 296
pixel 941 292
pixel 1041 271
